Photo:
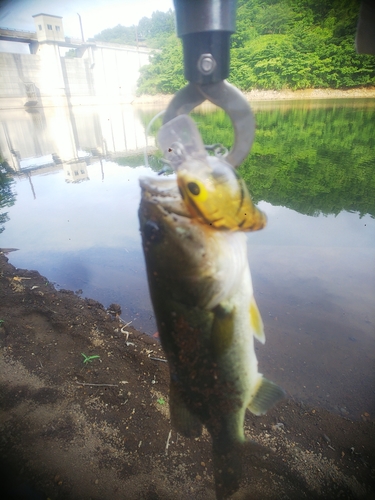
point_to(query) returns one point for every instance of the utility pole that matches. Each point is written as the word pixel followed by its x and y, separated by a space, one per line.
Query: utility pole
pixel 80 23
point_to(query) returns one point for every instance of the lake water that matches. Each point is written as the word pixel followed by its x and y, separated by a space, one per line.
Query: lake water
pixel 312 170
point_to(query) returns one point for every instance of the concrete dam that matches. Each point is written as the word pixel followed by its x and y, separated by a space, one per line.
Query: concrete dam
pixel 98 72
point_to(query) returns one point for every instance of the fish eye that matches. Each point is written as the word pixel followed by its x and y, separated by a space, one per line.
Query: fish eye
pixel 194 188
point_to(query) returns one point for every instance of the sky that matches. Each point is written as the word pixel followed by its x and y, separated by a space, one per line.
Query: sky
pixel 96 15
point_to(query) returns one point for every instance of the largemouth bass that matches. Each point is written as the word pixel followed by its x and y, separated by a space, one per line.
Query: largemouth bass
pixel 202 295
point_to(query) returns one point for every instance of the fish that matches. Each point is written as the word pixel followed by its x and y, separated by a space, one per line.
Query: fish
pixel 202 295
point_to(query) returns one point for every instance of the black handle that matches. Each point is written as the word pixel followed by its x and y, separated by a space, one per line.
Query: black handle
pixel 205 27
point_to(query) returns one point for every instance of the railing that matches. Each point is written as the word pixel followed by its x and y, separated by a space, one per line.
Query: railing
pixel 33 32
pixel 15 29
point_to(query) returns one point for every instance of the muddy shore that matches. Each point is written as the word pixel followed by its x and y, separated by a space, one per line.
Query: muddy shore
pixel 100 429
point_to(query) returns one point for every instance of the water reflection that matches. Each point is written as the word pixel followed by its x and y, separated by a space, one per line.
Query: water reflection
pixel 314 276
pixel 49 138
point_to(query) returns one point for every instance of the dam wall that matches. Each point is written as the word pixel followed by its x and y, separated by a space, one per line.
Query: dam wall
pixel 92 73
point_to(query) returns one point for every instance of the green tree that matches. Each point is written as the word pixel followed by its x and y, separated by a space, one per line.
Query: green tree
pixel 7 196
pixel 294 44
pixel 151 30
pixel 160 24
pixel 125 35
pixel 70 54
pixel 310 159
pixel 165 74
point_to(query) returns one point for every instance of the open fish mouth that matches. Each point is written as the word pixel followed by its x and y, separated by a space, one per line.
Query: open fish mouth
pixel 164 193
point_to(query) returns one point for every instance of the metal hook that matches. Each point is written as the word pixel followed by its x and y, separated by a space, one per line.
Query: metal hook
pixel 231 100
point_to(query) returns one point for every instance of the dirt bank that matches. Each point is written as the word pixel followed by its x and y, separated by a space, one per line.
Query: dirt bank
pixel 100 430
pixel 275 95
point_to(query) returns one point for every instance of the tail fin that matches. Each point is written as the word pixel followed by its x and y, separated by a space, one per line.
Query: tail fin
pixel 227 461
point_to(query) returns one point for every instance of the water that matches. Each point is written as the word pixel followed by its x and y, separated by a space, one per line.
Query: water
pixel 311 170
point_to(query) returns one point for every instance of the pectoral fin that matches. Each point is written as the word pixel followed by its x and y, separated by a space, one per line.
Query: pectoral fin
pixel 256 322
pixel 222 329
pixel 265 397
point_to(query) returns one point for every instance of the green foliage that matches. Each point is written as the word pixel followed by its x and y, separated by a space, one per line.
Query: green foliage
pixel 7 196
pixel 125 35
pixel 299 44
pixel 150 31
pixel 70 54
pixel 157 29
pixel 314 161
pixel 310 158
pixel 293 44
pixel 134 161
pixel 165 74
pixel 89 359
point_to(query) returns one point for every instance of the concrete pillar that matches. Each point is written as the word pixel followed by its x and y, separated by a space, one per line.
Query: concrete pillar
pixel 52 85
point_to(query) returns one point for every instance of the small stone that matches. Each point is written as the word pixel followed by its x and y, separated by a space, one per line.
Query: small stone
pixel 326 438
pixel 96 481
pixel 114 309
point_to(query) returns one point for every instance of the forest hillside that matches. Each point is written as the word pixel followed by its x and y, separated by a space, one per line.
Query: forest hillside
pixel 279 44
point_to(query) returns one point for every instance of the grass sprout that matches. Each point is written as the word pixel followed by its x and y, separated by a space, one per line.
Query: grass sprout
pixel 89 359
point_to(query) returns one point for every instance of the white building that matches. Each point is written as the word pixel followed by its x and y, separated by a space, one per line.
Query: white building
pixel 49 28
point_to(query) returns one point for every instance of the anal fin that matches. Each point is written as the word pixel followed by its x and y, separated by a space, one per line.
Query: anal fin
pixel 267 395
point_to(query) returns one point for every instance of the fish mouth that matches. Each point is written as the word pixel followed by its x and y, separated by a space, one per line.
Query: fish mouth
pixel 159 186
pixel 163 193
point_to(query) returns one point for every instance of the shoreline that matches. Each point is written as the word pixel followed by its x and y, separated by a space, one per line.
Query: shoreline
pixel 101 429
pixel 276 95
